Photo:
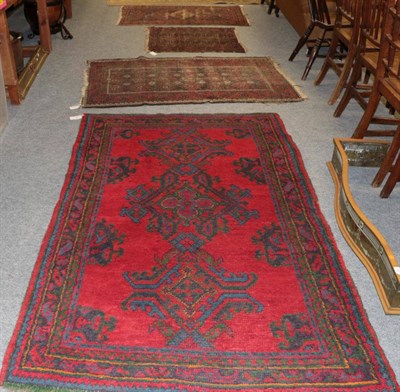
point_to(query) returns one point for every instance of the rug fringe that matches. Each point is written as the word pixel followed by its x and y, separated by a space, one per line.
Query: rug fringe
pixel 239 41
pixel 147 42
pixel 85 85
pixel 120 16
pixel 289 79
pixel 241 6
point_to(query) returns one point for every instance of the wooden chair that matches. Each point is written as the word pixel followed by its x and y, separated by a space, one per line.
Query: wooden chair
pixel 366 59
pixel 343 47
pixel 320 19
pixel 271 7
pixel 387 86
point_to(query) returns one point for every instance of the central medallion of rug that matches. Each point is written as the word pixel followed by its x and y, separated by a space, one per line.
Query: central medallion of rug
pixel 188 253
pixel 182 15
pixel 193 39
pixel 128 82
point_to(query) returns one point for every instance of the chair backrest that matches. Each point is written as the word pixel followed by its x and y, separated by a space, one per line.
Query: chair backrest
pixel 388 69
pixel 319 11
pixel 347 12
pixel 372 19
pixel 348 17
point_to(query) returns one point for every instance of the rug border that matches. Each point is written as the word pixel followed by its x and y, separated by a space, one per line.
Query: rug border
pixel 51 227
pixel 83 103
pixel 351 300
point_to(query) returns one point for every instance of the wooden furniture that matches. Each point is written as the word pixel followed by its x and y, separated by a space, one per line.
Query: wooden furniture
pixel 320 19
pixel 386 86
pixel 271 7
pixel 297 13
pixel 390 166
pixel 359 86
pixel 18 85
pixel 68 8
pixel 343 47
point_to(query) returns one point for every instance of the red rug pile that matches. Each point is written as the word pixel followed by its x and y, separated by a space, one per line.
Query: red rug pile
pixel 188 253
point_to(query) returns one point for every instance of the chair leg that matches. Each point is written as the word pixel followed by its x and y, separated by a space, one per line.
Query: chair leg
pixel 329 57
pixel 369 112
pixel 392 180
pixel 387 163
pixel 348 93
pixel 344 75
pixel 302 41
pixel 272 7
pixel 313 56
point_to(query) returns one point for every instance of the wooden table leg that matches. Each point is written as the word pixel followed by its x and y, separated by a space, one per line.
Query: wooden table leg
pixel 44 26
pixel 68 8
pixel 8 61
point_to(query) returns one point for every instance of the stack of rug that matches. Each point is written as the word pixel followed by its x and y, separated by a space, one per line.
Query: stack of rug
pixel 188 252
pixel 188 39
pixel 128 82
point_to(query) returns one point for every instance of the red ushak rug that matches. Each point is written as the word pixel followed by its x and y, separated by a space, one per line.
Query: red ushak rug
pixel 129 82
pixel 188 253
pixel 193 39
pixel 182 15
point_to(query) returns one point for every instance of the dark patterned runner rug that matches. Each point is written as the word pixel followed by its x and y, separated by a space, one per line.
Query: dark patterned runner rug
pixel 129 82
pixel 180 2
pixel 189 253
pixel 193 40
pixel 182 15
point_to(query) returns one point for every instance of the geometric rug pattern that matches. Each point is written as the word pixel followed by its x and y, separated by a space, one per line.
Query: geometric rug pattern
pixel 179 2
pixel 193 39
pixel 130 82
pixel 189 253
pixel 182 15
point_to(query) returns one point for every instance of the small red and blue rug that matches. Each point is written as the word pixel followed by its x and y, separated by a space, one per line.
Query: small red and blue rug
pixel 189 253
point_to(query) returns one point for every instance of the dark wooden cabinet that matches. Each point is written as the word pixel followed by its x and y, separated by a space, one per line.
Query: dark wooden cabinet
pixel 17 85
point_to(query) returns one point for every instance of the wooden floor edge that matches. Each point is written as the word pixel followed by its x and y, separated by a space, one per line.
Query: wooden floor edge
pixel 341 186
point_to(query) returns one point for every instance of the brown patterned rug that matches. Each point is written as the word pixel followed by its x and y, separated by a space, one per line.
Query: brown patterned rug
pixel 130 82
pixel 193 39
pixel 182 15
pixel 183 2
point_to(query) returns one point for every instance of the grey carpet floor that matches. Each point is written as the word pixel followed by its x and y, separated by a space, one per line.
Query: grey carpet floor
pixel 35 147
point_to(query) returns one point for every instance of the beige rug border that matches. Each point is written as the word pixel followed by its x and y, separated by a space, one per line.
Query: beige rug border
pixel 295 86
pixel 181 2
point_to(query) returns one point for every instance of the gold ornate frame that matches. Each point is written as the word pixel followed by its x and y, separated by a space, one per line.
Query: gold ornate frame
pixel 362 236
